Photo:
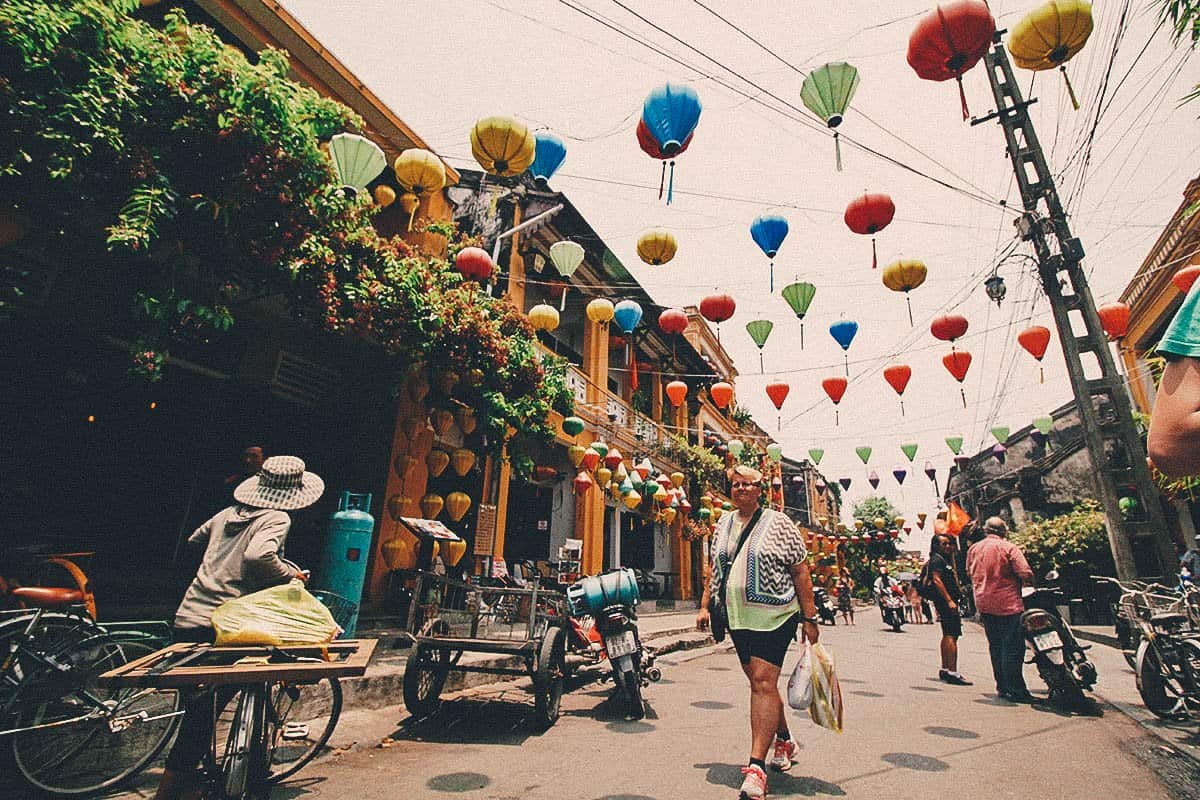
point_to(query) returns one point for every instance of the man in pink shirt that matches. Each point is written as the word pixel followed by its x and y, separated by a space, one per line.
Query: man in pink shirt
pixel 998 570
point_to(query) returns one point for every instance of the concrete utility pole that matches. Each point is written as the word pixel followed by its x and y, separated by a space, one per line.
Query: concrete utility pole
pixel 1140 544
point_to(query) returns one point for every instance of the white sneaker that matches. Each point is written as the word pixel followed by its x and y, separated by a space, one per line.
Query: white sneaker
pixel 754 787
pixel 781 759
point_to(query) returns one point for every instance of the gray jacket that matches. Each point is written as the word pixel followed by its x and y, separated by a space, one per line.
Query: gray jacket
pixel 243 549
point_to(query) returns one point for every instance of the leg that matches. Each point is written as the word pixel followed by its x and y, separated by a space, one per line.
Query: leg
pixel 949 651
pixel 766 706
pixel 1014 655
pixel 992 627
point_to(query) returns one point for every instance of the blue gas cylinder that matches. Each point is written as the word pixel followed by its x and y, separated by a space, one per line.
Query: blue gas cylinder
pixel 344 564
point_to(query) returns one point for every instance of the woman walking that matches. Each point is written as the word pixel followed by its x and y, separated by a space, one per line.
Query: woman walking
pixel 845 599
pixel 759 577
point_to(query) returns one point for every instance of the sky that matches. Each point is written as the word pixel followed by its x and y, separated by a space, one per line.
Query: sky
pixel 551 64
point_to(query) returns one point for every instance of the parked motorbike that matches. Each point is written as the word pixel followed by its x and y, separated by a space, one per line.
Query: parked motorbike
pixel 825 609
pixel 1060 659
pixel 1167 665
pixel 647 585
pixel 892 605
pixel 611 600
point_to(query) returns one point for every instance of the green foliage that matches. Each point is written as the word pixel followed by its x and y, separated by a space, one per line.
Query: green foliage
pixel 203 175
pixel 1184 18
pixel 703 466
pixel 1076 543
pixel 740 415
pixel 869 508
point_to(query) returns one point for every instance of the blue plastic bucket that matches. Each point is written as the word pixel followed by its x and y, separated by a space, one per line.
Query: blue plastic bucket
pixel 596 592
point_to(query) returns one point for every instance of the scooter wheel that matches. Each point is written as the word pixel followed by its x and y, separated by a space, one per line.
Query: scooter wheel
pixel 654 674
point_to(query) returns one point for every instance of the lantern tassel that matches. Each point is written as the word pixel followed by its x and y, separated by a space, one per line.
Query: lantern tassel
pixel 779 422
pixel 962 96
pixel 671 184
pixel 662 179
pixel 963 392
pixel 908 300
pixel 411 215
pixel 801 335
pixel 836 417
pixel 846 356
pixel 772 285
pixel 761 368
pixel 1041 374
pixel 562 304
pixel 874 255
pixel 1070 89
pixel 837 148
pixel 901 405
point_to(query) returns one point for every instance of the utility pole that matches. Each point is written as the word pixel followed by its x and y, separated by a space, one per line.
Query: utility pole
pixel 1139 541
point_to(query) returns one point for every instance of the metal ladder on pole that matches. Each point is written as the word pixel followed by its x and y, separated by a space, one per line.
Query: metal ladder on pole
pixel 1139 540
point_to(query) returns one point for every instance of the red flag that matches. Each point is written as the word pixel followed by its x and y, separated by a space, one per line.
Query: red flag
pixel 956 518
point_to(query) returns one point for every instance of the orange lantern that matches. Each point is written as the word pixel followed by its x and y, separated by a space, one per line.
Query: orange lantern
pixel 721 394
pixel 457 504
pixel 437 461
pixel 399 552
pixel 676 392
pixel 463 461
pixel 455 551
pixel 432 505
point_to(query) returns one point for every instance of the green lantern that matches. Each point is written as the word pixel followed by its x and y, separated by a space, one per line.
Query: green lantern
pixel 759 330
pixel 736 446
pixel 799 296
pixel 775 452
pixel 1128 505
pixel 705 514
pixel 909 450
pixel 572 426
pixel 601 448
pixel 955 444
pixel 1044 424
pixel 864 453
pixel 356 160
pixel 816 455
pixel 727 506
pixel 1001 433
pixel 827 92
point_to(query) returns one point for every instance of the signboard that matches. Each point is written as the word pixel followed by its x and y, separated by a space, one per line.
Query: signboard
pixel 485 529
pixel 430 529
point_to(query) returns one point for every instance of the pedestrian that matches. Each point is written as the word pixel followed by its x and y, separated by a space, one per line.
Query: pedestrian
pixel 243 553
pixel 845 598
pixel 759 564
pixel 998 570
pixel 914 602
pixel 1174 437
pixel 926 611
pixel 944 579
pixel 883 586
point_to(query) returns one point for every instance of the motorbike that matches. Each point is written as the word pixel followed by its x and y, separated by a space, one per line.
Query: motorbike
pixel 1061 660
pixel 825 609
pixel 892 605
pixel 611 599
pixel 1167 664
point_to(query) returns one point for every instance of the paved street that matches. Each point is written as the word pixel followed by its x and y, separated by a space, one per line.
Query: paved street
pixel 907 735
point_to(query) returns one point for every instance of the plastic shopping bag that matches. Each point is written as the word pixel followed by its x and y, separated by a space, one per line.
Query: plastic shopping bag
pixel 800 686
pixel 826 708
pixel 284 614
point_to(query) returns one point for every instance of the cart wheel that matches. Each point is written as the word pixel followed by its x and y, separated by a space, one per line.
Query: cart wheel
pixel 424 677
pixel 548 677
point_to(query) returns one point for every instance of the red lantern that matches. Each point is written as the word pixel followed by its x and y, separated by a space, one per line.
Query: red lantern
pixel 835 388
pixel 544 474
pixel 957 363
pixel 898 376
pixel 717 308
pixel 672 321
pixel 591 460
pixel 613 458
pixel 1184 278
pixel 950 40
pixel 676 392
pixel 1035 339
pixel 583 483
pixel 869 214
pixel 1115 319
pixel 895 533
pixel 778 392
pixel 948 327
pixel 721 393
pixel 474 263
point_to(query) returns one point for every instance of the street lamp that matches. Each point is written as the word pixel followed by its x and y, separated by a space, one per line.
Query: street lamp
pixel 995 288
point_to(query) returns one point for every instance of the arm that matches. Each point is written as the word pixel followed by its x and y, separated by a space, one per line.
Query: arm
pixel 802 580
pixel 702 616
pixel 1174 440
pixel 941 587
pixel 262 553
pixel 1021 567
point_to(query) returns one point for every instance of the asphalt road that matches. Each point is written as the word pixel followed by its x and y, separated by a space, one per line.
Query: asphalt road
pixel 907 736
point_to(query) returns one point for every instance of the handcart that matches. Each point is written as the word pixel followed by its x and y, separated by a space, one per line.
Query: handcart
pixel 448 618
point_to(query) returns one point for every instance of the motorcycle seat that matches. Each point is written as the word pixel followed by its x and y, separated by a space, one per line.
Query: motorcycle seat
pixel 1167 619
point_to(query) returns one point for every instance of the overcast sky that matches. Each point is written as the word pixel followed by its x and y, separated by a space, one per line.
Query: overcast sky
pixel 443 65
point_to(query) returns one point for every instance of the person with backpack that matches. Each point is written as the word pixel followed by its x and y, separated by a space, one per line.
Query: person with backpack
pixel 939 583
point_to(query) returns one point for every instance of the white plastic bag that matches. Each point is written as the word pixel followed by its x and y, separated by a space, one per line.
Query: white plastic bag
pixel 826 708
pixel 800 687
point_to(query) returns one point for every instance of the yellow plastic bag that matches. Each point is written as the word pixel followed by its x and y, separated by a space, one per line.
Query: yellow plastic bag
pixel 826 708
pixel 284 614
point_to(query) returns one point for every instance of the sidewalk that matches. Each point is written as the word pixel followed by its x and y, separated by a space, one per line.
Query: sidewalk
pixel 383 683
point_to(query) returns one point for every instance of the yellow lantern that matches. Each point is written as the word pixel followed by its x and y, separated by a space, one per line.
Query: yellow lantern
pixel 543 317
pixel 905 275
pixel 898 522
pixel 399 552
pixel 706 502
pixel 455 551
pixel 600 311
pixel 431 505
pixel 442 420
pixel 859 525
pixel 677 479
pixel 880 522
pixel 420 173
pixel 575 453
pixel 502 146
pixel 621 473
pixel 436 549
pixel 823 521
pixel 632 500
pixel 717 512
pixel 603 475
pixel 465 417
pixel 669 515
pixel 463 460
pixel 437 461
pixel 457 504
pixel 661 495
pixel 399 506
pixel 384 195
pixel 656 246
pixel 1050 36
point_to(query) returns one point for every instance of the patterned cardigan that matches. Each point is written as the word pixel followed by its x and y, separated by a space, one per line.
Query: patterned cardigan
pixel 760 594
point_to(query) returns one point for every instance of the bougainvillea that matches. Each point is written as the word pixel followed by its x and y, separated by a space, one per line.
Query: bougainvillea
pixel 204 178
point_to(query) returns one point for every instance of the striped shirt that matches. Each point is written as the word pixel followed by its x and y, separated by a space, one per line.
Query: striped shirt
pixel 760 594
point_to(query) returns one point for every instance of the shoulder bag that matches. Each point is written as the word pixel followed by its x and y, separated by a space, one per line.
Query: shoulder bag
pixel 718 619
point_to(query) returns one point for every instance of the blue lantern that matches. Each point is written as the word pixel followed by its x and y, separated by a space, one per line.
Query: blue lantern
pixel 627 314
pixel 549 154
pixel 769 231
pixel 670 114
pixel 843 332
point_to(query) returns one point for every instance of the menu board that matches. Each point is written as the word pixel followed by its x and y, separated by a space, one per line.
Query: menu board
pixel 485 529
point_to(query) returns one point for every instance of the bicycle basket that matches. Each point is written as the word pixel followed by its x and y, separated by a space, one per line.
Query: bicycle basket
pixel 341 609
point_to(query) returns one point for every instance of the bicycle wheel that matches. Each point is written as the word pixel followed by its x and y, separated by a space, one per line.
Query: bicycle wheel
pixel 20 644
pixel 75 737
pixel 300 719
pixel 241 767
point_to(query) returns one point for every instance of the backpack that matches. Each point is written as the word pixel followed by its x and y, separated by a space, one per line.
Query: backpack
pixel 925 585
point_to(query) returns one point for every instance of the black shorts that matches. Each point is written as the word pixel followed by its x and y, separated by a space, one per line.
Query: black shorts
pixel 770 646
pixel 951 621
